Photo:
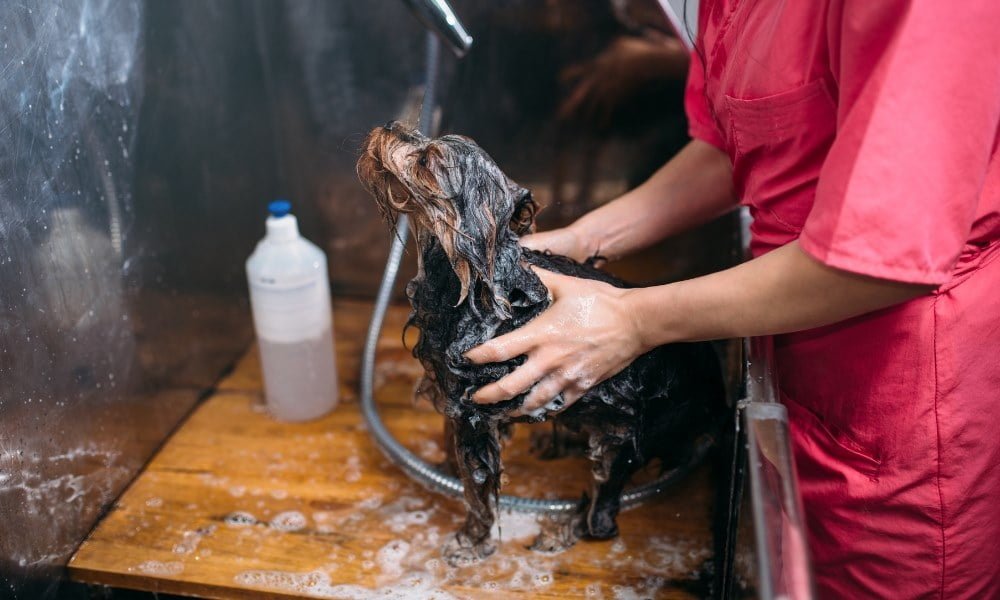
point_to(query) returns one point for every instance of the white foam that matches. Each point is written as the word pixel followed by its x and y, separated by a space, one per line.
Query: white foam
pixel 521 572
pixel 42 489
pixel 433 564
pixel 622 592
pixel 515 526
pixel 370 503
pixel 155 567
pixel 240 519
pixel 400 521
pixel 291 520
pixel 404 512
pixel 677 557
pixel 390 557
pixel 213 480
pixel 327 521
pixel 317 584
pixel 190 539
pixel 154 502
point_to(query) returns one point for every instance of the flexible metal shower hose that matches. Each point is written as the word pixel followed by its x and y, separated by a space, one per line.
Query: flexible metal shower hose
pixel 419 470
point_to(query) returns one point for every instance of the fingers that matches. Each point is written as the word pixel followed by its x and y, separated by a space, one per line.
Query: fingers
pixel 514 383
pixel 540 241
pixel 505 347
pixel 565 240
pixel 554 281
pixel 556 392
pixel 542 394
pixel 547 240
pixel 558 241
pixel 523 340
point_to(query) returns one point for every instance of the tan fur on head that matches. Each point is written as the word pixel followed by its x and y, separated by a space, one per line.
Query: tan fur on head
pixel 455 194
pixel 399 171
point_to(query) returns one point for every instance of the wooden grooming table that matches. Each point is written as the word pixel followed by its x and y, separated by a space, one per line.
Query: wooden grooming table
pixel 237 505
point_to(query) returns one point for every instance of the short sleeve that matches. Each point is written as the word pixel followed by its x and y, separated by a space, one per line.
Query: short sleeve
pixel 918 113
pixel 701 120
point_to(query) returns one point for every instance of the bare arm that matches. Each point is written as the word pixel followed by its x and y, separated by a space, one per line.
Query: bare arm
pixel 694 187
pixel 784 290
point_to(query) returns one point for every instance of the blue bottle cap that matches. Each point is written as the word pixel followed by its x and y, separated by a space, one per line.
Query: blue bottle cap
pixel 279 208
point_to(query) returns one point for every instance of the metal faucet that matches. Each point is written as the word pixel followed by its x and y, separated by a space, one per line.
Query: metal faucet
pixel 438 17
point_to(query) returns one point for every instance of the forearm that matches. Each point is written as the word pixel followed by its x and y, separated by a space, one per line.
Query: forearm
pixel 785 290
pixel 693 188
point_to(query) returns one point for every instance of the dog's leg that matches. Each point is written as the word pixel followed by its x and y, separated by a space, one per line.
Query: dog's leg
pixel 613 460
pixel 477 446
pixel 561 532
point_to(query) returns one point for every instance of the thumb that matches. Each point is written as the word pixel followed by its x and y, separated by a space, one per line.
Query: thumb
pixel 542 241
pixel 534 241
pixel 554 281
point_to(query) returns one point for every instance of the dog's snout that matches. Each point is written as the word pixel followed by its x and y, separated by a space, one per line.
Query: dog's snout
pixel 390 125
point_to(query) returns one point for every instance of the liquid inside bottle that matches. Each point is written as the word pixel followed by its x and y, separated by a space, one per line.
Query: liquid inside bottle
pixel 290 297
pixel 312 391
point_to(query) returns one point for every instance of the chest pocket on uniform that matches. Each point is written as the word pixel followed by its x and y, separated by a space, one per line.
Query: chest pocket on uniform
pixel 779 143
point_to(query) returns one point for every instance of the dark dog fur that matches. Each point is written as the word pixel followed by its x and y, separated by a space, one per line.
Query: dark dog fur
pixel 474 283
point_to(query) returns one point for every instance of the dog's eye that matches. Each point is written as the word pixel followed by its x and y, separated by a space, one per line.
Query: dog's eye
pixel 422 161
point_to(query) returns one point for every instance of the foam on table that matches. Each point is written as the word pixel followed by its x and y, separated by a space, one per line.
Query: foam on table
pixel 236 505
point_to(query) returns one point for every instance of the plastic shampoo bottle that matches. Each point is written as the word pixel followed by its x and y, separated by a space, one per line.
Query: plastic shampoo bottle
pixel 290 298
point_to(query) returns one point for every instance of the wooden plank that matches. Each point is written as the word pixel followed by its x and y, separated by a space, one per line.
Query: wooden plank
pixel 237 505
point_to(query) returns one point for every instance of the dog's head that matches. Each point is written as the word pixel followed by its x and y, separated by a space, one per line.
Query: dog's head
pixel 454 193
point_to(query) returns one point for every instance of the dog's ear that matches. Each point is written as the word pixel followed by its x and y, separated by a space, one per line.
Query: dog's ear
pixel 522 220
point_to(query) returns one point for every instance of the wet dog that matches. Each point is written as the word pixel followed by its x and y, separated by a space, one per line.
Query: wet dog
pixel 474 283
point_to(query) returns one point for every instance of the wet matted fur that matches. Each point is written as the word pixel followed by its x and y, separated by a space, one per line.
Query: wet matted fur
pixel 474 283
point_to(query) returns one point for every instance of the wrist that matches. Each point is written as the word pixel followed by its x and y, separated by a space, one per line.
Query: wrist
pixel 651 316
pixel 637 308
pixel 585 239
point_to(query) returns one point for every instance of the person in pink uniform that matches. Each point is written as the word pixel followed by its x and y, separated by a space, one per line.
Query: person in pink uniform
pixel 863 136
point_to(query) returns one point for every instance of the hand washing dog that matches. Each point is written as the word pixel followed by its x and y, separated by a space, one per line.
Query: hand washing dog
pixel 474 282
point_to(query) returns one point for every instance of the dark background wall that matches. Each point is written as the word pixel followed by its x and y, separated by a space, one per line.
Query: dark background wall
pixel 139 143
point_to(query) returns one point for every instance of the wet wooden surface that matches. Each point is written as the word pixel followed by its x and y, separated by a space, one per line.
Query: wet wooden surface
pixel 237 505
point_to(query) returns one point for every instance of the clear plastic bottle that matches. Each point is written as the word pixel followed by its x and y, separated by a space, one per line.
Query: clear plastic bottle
pixel 290 298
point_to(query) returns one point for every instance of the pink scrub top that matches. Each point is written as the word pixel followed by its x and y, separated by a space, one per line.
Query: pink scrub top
pixel 868 131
